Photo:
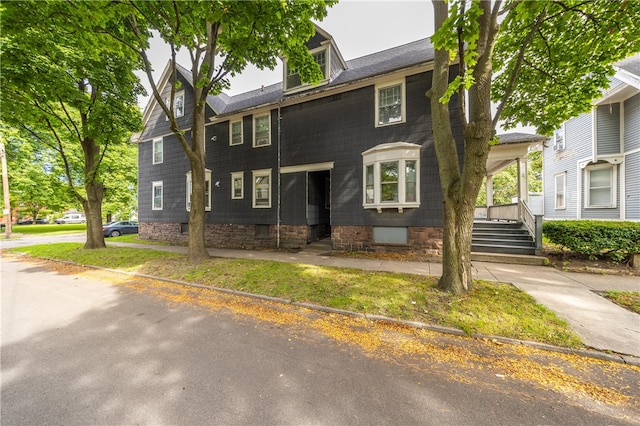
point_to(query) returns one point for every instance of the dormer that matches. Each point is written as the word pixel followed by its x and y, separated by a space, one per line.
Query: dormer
pixel 326 54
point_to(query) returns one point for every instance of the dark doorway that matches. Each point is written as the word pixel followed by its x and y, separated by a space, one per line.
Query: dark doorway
pixel 319 205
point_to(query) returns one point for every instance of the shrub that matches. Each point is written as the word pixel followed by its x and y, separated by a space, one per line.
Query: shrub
pixel 616 240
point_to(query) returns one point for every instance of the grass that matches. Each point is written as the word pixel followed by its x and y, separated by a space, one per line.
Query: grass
pixel 490 308
pixel 627 299
pixel 133 238
pixel 48 229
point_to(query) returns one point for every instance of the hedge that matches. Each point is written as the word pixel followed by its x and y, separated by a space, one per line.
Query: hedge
pixel 595 238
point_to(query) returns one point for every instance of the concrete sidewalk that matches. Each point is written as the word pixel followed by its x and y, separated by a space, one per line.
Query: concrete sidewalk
pixel 600 324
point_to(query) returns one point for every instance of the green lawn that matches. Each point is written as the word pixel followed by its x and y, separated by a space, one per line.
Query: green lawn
pixel 491 308
pixel 48 229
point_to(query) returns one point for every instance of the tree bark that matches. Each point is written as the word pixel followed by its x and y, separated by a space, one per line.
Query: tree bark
pixel 197 247
pixel 460 186
pixel 92 204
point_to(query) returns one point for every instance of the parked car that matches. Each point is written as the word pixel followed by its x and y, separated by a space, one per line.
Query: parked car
pixel 30 221
pixel 115 229
pixel 71 218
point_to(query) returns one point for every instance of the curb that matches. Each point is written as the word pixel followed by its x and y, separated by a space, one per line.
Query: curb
pixel 588 353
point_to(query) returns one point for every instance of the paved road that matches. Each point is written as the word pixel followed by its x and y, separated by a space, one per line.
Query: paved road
pixel 77 349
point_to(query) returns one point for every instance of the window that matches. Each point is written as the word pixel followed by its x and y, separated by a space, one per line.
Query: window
pixel 560 183
pixel 157 195
pixel 235 130
pixel 207 190
pixel 601 184
pixel 157 151
pixel 261 134
pixel 390 106
pixel 237 185
pixel 262 188
pixel 292 79
pixel 558 139
pixel 391 178
pixel 178 104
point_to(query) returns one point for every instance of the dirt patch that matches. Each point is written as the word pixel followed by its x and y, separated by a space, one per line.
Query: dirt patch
pixel 575 263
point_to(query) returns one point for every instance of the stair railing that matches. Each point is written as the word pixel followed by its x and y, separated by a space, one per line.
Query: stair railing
pixel 533 223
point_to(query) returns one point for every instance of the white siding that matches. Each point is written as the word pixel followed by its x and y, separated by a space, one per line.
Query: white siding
pixel 577 147
pixel 608 129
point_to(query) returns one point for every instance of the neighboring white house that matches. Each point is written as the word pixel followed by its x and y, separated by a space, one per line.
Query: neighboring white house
pixel 591 166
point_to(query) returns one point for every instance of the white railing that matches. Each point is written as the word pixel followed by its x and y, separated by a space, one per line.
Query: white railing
pixel 533 224
pixel 503 212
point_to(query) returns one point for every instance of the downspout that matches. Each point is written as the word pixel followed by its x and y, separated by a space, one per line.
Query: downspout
pixel 622 192
pixel 278 172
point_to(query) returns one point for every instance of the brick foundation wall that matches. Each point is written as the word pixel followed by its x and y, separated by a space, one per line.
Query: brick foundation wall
pixel 294 236
pixel 228 235
pixel 426 240
pixel 164 232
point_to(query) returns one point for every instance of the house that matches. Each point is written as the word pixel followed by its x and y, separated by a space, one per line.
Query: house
pixel 351 158
pixel 591 166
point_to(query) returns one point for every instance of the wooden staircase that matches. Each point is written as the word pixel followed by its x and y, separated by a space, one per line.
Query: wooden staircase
pixel 505 237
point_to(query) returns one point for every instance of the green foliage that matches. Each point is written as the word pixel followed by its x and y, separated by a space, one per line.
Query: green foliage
pixel 616 240
pixel 73 99
pixel 552 58
pixel 461 28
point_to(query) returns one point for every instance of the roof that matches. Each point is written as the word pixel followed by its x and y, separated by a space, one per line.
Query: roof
pixel 397 58
pixel 630 65
pixel 515 138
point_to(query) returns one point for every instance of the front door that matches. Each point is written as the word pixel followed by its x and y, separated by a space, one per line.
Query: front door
pixel 319 204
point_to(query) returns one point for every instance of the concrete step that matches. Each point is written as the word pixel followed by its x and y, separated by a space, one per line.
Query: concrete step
pixel 499 235
pixel 504 240
pixel 517 259
pixel 502 248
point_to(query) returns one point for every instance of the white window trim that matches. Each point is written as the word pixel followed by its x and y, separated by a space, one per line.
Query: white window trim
pixel 231 123
pixel 385 153
pixel 257 174
pixel 403 106
pixel 234 176
pixel 255 117
pixel 154 185
pixel 304 86
pixel 557 147
pixel 563 175
pixel 167 102
pixel 153 151
pixel 207 182
pixel 179 94
pixel 613 180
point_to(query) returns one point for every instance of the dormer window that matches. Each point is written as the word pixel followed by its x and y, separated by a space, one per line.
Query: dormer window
pixel 292 79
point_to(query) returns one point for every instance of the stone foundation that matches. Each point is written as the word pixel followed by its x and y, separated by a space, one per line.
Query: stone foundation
pixel 228 235
pixel 424 240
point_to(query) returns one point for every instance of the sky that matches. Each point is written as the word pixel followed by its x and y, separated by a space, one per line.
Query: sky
pixel 359 27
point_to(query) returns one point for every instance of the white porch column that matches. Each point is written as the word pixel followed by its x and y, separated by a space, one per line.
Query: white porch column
pixel 489 190
pixel 523 185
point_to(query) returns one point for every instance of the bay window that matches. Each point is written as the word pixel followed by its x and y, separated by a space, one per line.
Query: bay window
pixel 391 178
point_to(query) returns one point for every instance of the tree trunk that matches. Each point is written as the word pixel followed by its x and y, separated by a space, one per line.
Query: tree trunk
pixel 93 212
pixel 92 204
pixel 197 248
pixel 460 187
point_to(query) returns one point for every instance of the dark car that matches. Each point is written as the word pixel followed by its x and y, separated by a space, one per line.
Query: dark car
pixel 115 229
